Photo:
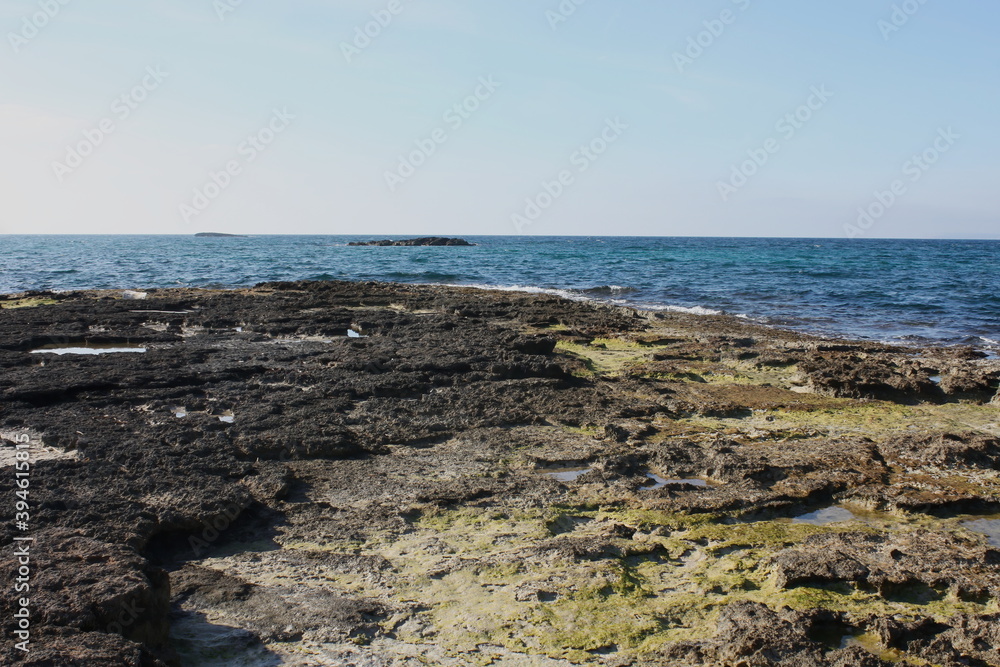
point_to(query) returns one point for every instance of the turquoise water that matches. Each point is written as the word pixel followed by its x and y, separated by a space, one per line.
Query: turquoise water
pixel 895 290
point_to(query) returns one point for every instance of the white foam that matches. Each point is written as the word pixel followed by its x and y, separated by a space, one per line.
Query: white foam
pixel 576 296
pixel 528 289
pixel 693 310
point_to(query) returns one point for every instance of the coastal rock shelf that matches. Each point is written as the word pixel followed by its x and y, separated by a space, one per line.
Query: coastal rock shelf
pixel 482 477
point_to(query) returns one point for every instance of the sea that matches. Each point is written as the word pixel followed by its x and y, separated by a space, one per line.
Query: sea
pixel 937 292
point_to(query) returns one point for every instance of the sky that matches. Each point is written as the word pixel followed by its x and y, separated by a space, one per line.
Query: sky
pixel 855 118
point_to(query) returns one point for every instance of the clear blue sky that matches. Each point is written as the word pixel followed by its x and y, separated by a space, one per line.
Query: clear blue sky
pixel 559 86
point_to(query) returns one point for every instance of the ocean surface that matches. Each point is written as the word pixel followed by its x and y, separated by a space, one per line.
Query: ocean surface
pixel 940 292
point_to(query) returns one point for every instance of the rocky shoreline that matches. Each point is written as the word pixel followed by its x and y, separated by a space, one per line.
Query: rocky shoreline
pixel 473 477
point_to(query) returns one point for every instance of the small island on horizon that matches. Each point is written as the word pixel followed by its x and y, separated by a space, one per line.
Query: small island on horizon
pixel 425 241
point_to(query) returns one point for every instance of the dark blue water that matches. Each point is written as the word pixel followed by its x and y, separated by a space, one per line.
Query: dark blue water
pixel 894 290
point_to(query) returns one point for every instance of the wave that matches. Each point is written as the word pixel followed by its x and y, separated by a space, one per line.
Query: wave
pixel 609 290
pixel 577 295
pixel 690 310
pixel 587 294
pixel 528 289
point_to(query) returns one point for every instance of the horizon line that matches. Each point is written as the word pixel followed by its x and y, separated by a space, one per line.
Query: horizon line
pixel 529 236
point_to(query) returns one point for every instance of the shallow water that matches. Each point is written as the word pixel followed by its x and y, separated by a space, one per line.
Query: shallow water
pixel 873 645
pixel 202 644
pixel 568 475
pixel 826 516
pixel 163 312
pixel 659 482
pixel 988 527
pixel 89 350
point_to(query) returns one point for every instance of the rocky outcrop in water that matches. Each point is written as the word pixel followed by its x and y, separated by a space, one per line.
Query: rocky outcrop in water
pixel 426 241
pixel 264 484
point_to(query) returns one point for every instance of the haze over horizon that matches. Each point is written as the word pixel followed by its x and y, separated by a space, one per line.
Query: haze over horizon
pixel 580 117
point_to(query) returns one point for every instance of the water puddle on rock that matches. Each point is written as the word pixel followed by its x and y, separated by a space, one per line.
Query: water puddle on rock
pixel 990 527
pixel 202 644
pixel 568 475
pixel 226 417
pixel 657 482
pixel 89 350
pixel 351 333
pixel 827 516
pixel 164 312
pixel 872 644
pixel 301 339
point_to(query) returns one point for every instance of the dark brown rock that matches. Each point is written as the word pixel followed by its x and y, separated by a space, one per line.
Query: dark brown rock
pixel 456 399
pixel 425 241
